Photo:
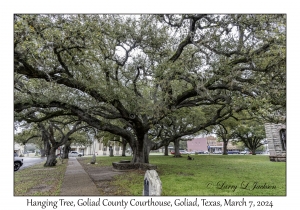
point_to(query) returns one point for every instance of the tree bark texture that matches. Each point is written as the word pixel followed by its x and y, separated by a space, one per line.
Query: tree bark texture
pixel 166 150
pixel 124 143
pixel 176 144
pixel 225 143
pixel 51 158
pixel 141 150
pixel 65 151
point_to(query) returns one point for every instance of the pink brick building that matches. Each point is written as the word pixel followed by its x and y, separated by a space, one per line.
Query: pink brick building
pixel 201 144
pixel 197 144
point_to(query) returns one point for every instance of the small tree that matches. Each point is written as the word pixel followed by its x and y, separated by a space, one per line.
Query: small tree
pixel 53 133
pixel 56 141
pixel 29 133
pixel 251 133
pixel 78 138
pixel 225 132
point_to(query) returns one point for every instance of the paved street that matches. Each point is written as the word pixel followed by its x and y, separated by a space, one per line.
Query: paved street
pixel 30 161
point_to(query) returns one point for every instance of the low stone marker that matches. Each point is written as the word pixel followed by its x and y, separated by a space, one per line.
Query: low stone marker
pixel 152 184
pixel 93 161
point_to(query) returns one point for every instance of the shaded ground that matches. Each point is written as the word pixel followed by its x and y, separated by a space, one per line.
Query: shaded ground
pixel 39 189
pixel 42 187
pixel 103 177
pixel 38 180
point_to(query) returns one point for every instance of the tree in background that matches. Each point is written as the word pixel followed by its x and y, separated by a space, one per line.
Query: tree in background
pixel 52 134
pixel 225 132
pixel 181 126
pixel 251 134
pixel 79 138
pixel 55 141
pixel 29 133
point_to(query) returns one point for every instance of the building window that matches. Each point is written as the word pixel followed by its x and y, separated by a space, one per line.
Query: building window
pixel 282 133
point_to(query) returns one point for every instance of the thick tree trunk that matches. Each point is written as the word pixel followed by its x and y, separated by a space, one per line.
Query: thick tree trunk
pixel 124 143
pixel 225 143
pixel 111 151
pixel 65 151
pixel 141 150
pixel 43 153
pixel 166 150
pixel 47 147
pixel 176 145
pixel 51 158
pixel 253 152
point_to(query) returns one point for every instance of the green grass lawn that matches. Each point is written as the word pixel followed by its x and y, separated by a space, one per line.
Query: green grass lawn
pixel 231 175
pixel 39 180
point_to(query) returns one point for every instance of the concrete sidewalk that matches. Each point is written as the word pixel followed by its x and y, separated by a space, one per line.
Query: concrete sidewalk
pixel 77 182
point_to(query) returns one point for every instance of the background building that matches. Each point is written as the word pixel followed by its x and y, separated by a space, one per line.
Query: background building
pixel 276 137
pixel 210 144
pixel 197 144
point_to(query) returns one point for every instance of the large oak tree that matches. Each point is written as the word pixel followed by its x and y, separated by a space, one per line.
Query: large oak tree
pixel 128 74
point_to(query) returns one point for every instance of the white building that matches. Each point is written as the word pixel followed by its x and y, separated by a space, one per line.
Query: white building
pixel 98 148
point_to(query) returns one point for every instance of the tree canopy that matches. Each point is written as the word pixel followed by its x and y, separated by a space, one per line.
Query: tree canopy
pixel 130 75
pixel 251 134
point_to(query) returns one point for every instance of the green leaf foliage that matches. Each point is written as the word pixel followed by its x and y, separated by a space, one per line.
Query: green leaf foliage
pixel 131 75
